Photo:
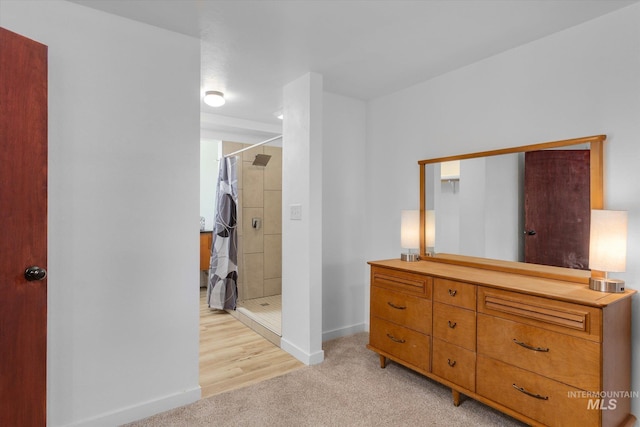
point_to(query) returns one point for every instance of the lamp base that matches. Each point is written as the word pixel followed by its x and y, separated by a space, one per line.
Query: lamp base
pixel 603 284
pixel 409 257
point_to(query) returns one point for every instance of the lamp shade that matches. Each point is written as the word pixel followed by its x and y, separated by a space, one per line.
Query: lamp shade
pixel 410 229
pixel 430 228
pixel 450 170
pixel 608 241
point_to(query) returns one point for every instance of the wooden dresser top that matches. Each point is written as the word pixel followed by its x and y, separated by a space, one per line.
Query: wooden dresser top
pixel 530 285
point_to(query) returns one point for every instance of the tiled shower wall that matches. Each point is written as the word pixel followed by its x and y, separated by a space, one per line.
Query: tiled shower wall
pixel 259 196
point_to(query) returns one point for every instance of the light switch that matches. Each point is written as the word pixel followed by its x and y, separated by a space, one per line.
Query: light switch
pixel 296 212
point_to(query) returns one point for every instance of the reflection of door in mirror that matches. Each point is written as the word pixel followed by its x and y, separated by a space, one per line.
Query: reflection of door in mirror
pixel 557 208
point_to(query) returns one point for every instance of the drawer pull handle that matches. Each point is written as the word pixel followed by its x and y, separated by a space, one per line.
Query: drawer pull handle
pixel 394 339
pixel 528 393
pixel 451 325
pixel 451 363
pixel 453 292
pixel 397 307
pixel 530 347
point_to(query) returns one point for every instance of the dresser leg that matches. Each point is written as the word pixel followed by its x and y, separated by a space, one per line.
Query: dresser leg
pixel 383 362
pixel 456 397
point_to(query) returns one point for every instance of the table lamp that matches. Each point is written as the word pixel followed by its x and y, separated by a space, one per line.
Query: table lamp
pixel 607 248
pixel 410 234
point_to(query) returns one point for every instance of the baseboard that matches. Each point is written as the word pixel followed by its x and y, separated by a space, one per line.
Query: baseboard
pixel 143 410
pixel 318 357
pixel 343 332
pixel 301 355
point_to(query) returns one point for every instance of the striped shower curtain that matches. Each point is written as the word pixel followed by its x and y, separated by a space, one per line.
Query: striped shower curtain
pixel 222 289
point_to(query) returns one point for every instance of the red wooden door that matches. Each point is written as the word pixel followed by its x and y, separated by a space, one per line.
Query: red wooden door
pixel 557 208
pixel 23 230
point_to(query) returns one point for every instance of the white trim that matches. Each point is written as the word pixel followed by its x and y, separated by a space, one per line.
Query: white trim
pixel 344 332
pixel 301 355
pixel 143 410
pixel 217 121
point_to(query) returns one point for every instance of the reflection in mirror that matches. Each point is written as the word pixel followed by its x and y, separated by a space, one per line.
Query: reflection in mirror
pixel 479 210
pixel 557 208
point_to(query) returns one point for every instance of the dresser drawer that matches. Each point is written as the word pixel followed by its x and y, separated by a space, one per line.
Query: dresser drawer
pixel 561 357
pixel 405 344
pixel 547 401
pixel 405 310
pixel 454 364
pixel 395 280
pixel 564 317
pixel 455 325
pixel 454 293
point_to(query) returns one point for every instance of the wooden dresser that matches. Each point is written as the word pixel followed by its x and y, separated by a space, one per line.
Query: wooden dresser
pixel 545 351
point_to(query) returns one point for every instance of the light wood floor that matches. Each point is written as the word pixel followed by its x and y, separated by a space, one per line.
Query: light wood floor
pixel 234 356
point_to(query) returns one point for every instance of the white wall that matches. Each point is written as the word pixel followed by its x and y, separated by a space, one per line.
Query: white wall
pixel 472 193
pixel 503 208
pixel 579 82
pixel 343 215
pixel 302 239
pixel 446 196
pixel 209 153
pixel 123 213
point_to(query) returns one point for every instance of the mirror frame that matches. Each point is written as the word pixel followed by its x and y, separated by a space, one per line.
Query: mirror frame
pixel 596 147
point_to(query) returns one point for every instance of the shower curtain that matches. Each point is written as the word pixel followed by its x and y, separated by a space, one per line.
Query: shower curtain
pixel 222 289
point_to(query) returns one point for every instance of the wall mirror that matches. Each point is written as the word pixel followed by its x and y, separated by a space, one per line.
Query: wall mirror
pixel 478 208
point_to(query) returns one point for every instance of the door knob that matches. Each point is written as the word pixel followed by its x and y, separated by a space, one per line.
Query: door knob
pixel 530 232
pixel 35 273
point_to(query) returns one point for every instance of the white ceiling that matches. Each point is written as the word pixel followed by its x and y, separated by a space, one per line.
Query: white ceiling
pixel 363 49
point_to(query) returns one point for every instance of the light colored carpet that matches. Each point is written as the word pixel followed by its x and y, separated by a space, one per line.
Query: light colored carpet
pixel 348 389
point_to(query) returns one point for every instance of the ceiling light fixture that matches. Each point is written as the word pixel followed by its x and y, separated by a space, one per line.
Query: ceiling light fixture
pixel 214 98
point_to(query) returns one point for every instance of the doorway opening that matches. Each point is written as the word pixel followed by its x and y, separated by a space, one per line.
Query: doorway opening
pixel 259 231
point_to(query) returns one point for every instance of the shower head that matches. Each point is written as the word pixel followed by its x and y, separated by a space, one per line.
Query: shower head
pixel 261 160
